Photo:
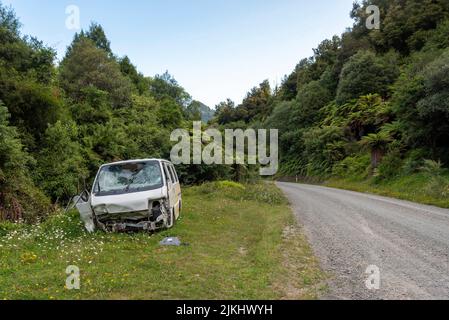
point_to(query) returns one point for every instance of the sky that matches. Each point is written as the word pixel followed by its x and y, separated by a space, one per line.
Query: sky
pixel 216 49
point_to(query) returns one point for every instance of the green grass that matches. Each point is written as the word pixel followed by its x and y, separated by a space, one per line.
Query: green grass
pixel 417 187
pixel 243 243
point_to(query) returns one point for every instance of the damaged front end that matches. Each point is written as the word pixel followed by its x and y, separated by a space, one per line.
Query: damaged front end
pixel 117 218
pixel 127 196
pixel 119 214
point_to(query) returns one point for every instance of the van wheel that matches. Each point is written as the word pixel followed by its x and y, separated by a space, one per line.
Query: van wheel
pixel 171 219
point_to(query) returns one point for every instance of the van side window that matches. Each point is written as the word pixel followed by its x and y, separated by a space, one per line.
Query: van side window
pixel 171 174
pixel 167 174
pixel 175 176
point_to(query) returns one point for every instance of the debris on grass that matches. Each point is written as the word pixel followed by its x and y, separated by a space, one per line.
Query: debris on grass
pixel 171 241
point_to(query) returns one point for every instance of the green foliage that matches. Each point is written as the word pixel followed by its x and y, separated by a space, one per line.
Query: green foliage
pixel 323 147
pixel 165 86
pixel 256 106
pixel 433 168
pixel 85 66
pixel 96 35
pixel 9 21
pixel 32 105
pixel 19 198
pixel 63 122
pixel 261 192
pixel 421 102
pixel 225 112
pixel 311 98
pixel 353 167
pixel 376 141
pixel 12 156
pixel 413 161
pixel 67 225
pixel 359 117
pixel 391 166
pixel 386 90
pixel 141 83
pixel 230 184
pixel 169 114
pixel 365 73
pixel 438 185
pixel 406 25
pixel 61 165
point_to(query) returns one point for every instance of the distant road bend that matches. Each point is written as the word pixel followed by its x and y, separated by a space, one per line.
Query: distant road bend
pixel 351 231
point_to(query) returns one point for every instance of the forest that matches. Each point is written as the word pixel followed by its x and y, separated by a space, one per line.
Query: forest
pixel 60 121
pixel 369 104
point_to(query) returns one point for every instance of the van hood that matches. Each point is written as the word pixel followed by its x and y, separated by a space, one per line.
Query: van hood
pixel 126 203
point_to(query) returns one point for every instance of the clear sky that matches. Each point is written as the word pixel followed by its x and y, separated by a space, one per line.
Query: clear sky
pixel 216 49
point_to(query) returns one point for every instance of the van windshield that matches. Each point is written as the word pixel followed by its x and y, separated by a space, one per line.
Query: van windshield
pixel 128 178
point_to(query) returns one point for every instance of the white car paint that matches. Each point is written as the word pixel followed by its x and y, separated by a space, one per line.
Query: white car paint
pixel 136 206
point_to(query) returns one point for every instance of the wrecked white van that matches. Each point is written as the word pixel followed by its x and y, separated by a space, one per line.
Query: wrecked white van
pixel 136 195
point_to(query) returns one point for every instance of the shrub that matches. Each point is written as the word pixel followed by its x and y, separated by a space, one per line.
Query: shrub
pixel 356 167
pixel 438 185
pixel 230 185
pixel 7 227
pixel 414 161
pixel 19 198
pixel 65 225
pixel 390 166
pixel 261 192
pixel 365 73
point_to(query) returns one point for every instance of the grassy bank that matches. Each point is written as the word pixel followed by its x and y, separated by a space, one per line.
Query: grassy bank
pixel 419 187
pixel 242 243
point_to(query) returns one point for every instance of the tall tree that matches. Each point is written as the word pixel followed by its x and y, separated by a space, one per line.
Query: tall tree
pixel 87 66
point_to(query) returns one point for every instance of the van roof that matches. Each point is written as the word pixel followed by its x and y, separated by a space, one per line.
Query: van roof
pixel 133 161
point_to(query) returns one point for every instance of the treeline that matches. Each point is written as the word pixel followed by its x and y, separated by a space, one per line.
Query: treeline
pixel 368 103
pixel 59 122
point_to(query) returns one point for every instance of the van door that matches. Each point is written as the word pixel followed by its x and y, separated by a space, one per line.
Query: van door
pixel 82 203
pixel 177 188
pixel 170 185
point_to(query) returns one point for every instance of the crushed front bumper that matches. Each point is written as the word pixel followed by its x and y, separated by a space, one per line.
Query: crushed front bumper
pixel 153 219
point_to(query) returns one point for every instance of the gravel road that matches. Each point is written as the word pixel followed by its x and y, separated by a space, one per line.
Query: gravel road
pixel 351 231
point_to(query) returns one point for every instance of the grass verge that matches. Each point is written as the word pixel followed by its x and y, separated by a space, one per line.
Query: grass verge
pixel 417 187
pixel 243 243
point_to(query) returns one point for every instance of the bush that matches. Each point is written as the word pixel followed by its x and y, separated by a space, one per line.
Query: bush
pixel 61 166
pixel 19 198
pixel 261 192
pixel 266 193
pixel 390 166
pixel 414 161
pixel 365 73
pixel 65 225
pixel 438 185
pixel 230 185
pixel 356 167
pixel 8 227
pixel 323 147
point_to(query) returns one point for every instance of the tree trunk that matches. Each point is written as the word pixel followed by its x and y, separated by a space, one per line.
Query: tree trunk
pixel 376 157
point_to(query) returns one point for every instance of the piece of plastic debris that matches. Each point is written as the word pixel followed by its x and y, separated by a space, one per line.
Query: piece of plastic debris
pixel 170 241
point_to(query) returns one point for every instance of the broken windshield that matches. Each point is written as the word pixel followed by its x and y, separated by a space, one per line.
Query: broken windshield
pixel 128 178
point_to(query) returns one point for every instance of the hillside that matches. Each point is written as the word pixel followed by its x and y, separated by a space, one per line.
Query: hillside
pixel 60 121
pixel 369 105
